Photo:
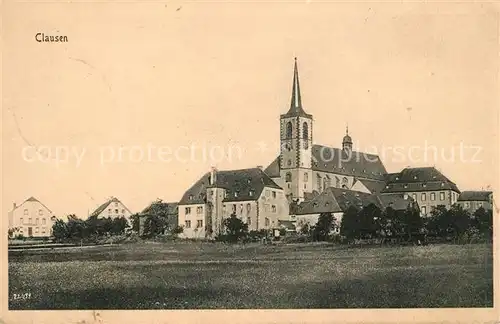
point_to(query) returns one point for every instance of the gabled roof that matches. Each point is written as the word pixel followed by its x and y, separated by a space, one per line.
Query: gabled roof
pixel 240 185
pixel 273 170
pixel 336 200
pixel 475 196
pixel 32 199
pixel 418 179
pixel 375 186
pixel 100 209
pixel 172 207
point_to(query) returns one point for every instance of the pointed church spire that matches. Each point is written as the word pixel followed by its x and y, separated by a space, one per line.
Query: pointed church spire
pixel 296 102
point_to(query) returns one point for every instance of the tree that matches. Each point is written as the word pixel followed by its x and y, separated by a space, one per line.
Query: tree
pixel 60 230
pixel 367 221
pixel 483 221
pixel 412 222
pixel 235 229
pixel 135 222
pixel 157 220
pixel 323 227
pixel 349 226
pixel 118 225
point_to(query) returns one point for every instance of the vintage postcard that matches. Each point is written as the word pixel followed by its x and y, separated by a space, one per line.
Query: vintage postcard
pixel 249 161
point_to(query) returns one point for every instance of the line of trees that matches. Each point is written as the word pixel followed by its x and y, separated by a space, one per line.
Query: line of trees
pixel 75 229
pixel 371 223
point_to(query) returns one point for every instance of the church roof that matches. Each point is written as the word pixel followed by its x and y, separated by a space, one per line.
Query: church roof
pixel 357 164
pixel 296 109
pixel 418 179
pixel 240 185
pixel 474 196
pixel 334 160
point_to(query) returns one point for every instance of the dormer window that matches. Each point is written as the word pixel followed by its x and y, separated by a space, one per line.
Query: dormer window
pixel 414 177
pixel 424 185
pixel 406 186
pixel 190 197
pixel 442 184
pixel 397 178
pixel 235 194
pixel 250 193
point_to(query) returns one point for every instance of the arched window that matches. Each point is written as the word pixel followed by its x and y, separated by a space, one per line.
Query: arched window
pixel 289 130
pixel 306 177
pixel 319 183
pixel 288 177
pixel 325 183
pixel 305 135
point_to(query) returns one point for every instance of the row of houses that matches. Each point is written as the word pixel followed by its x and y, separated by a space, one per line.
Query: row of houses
pixel 303 181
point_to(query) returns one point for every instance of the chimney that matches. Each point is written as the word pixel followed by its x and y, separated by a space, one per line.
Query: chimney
pixel 14 206
pixel 213 176
pixel 260 167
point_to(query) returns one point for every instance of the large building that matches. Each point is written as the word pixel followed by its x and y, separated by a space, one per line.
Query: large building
pixel 112 208
pixel 303 167
pixel 31 219
pixel 473 200
pixel 427 186
pixel 250 194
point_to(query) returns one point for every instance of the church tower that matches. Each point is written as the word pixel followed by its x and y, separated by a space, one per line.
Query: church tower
pixel 347 141
pixel 296 145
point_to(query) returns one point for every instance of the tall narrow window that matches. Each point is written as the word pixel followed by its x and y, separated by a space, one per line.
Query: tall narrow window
pixel 319 183
pixel 423 196
pixel 441 195
pixel 288 177
pixel 305 135
pixel 306 176
pixel 289 130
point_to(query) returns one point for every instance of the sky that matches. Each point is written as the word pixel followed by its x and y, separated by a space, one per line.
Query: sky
pixel 129 104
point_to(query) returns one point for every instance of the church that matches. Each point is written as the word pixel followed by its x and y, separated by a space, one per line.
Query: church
pixel 303 168
pixel 305 180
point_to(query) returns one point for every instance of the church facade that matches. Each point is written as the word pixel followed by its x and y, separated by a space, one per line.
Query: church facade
pixel 303 168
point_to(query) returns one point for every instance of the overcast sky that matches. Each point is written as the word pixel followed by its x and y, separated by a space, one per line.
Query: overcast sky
pixel 219 75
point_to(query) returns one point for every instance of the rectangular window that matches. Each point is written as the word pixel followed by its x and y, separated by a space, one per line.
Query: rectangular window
pixel 43 230
pixel 199 210
pixel 116 204
pixel 414 196
pixel 433 196
pixel 188 210
pixel 424 210
pixel 43 221
pixel 116 211
pixel 424 196
pixel 480 204
pixel 109 210
pixel 199 223
pixel 249 220
pixel 36 221
pixel 266 222
pixel 405 196
pixel 273 208
pixel 441 195
pixel 234 208
pixel 25 212
pixel 466 204
pixel 123 211
pixel 267 193
pixel 274 194
pixel 30 221
pixel 306 177
pixel 36 229
pixel 188 224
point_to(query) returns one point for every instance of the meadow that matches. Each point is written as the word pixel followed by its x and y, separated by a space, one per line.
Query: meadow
pixel 190 275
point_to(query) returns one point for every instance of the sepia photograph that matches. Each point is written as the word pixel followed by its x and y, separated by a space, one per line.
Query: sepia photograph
pixel 212 155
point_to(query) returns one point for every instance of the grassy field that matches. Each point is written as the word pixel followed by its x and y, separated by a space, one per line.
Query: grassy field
pixel 182 275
